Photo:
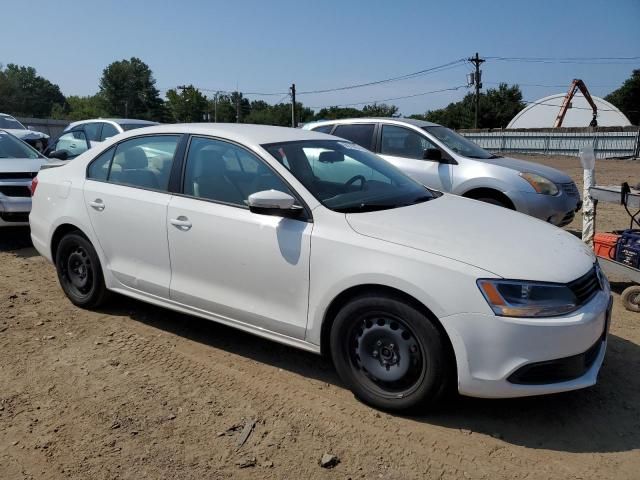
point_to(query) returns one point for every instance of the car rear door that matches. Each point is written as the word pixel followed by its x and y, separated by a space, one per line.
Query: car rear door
pixel 126 195
pixel 228 261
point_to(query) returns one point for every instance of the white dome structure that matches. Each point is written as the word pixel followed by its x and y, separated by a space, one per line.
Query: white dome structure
pixel 542 113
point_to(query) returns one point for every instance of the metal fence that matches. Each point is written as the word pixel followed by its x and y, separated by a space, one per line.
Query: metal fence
pixel 607 142
pixel 51 127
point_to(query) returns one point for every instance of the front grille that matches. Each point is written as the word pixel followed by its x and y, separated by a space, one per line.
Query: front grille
pixel 585 287
pixel 15 191
pixel 14 217
pixel 17 175
pixel 570 189
pixel 560 370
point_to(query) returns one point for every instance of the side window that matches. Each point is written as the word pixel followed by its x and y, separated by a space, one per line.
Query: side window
pixel 74 143
pixel 361 133
pixel 224 172
pixel 93 131
pixel 108 131
pixel 323 128
pixel 99 168
pixel 402 142
pixel 144 162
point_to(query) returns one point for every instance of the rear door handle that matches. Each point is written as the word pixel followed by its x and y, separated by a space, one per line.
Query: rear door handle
pixel 97 204
pixel 181 223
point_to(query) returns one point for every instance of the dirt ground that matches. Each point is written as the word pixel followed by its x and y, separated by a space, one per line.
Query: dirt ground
pixel 134 391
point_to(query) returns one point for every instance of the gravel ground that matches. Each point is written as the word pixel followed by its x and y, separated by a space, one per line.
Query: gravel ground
pixel 134 391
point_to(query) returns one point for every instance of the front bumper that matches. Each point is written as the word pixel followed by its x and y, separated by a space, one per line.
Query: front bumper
pixel 491 351
pixel 556 209
pixel 14 210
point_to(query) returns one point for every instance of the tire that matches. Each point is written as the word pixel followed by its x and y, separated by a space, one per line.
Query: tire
pixel 631 298
pixel 389 354
pixel 493 201
pixel 79 271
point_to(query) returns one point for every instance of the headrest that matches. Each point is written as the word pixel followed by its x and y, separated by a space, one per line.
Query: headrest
pixel 135 159
pixel 209 162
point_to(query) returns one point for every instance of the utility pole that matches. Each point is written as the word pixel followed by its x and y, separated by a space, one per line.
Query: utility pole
pixel 215 107
pixel 237 107
pixel 293 105
pixel 478 81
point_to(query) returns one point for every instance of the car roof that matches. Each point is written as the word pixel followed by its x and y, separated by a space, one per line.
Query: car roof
pixel 397 120
pixel 248 134
pixel 119 121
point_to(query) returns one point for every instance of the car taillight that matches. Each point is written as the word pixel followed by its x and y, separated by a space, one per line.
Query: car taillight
pixel 34 185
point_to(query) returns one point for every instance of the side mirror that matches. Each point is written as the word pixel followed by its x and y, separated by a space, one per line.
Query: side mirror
pixel 432 154
pixel 59 154
pixel 273 202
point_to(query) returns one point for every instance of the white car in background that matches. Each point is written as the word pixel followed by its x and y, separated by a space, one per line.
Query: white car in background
pixel 37 140
pixel 313 241
pixel 78 137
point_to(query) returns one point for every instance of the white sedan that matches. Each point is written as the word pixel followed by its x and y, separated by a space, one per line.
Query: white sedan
pixel 312 241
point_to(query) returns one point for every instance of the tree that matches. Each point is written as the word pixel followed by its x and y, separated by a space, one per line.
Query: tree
pixel 81 108
pixel 129 90
pixel 334 113
pixel 25 93
pixel 380 110
pixel 187 106
pixel 497 108
pixel 627 98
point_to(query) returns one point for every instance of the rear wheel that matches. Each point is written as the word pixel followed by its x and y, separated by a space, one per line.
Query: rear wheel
pixel 79 271
pixel 389 353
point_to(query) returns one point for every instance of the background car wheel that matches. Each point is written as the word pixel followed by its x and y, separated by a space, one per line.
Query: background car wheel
pixel 390 354
pixel 79 271
pixel 493 201
pixel 631 298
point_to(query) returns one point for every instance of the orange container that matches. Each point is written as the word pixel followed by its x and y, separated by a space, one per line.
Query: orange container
pixel 604 244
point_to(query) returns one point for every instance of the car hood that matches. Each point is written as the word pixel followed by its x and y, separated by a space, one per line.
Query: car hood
pixel 14 165
pixel 556 176
pixel 501 241
pixel 26 134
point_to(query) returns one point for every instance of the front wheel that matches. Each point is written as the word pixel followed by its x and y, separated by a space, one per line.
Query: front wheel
pixel 390 354
pixel 79 271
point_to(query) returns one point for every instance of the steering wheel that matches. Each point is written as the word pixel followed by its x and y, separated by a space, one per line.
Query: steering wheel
pixel 354 179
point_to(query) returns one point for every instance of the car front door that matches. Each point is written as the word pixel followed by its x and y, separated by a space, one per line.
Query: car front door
pixel 230 262
pixel 126 195
pixel 405 149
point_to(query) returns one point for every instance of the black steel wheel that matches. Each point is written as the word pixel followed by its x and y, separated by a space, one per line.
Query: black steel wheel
pixel 79 271
pixel 390 354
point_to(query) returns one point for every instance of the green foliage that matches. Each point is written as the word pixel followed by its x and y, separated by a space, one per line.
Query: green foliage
pixel 25 93
pixel 380 110
pixel 129 90
pixel 627 98
pixel 81 108
pixel 497 108
pixel 187 106
pixel 335 113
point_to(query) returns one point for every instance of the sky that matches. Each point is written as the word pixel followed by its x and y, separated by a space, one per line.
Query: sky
pixel 265 46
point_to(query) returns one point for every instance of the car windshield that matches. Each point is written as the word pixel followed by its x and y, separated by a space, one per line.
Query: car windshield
pixel 132 126
pixel 458 143
pixel 10 122
pixel 11 147
pixel 348 178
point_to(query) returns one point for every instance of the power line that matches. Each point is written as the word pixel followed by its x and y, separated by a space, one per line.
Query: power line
pixel 394 98
pixel 407 76
pixel 547 86
pixel 575 60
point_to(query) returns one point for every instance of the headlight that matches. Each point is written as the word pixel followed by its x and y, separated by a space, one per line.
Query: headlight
pixel 512 298
pixel 540 184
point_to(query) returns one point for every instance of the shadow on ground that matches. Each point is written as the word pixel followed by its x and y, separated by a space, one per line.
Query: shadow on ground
pixel 604 418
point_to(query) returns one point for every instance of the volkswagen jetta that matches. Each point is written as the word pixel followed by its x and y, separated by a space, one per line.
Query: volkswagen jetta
pixel 315 242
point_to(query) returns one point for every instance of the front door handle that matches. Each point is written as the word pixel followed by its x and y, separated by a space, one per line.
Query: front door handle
pixel 97 204
pixel 181 223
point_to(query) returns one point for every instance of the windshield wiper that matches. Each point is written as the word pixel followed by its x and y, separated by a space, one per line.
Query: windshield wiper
pixel 363 207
